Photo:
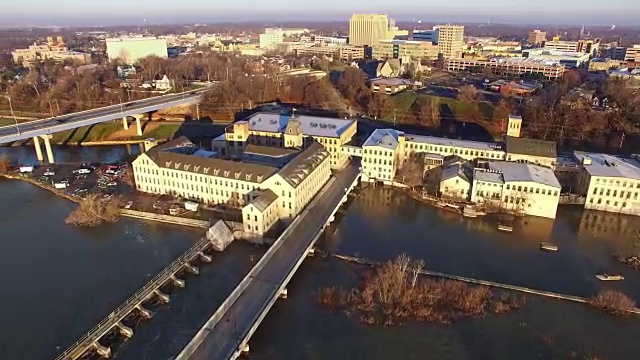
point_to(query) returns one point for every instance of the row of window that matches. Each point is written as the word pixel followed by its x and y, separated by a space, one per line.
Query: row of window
pixel 614 193
pixel 608 202
pixel 377 161
pixel 446 150
pixel 617 183
pixel 532 190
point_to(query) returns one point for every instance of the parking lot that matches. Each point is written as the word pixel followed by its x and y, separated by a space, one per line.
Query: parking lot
pixel 115 180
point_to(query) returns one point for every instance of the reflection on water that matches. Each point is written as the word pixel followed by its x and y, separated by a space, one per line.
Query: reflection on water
pixel 383 223
pixel 102 266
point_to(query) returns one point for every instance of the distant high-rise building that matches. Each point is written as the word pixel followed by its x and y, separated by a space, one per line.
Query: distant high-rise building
pixel 586 46
pixel 368 29
pixel 537 37
pixel 131 49
pixel 632 54
pixel 450 40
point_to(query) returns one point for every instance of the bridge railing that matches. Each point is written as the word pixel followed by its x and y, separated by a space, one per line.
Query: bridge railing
pixel 191 347
pixel 275 292
pixel 183 94
pixel 142 293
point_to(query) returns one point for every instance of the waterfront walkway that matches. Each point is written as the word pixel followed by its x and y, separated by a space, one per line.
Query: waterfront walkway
pixel 113 321
pixel 228 330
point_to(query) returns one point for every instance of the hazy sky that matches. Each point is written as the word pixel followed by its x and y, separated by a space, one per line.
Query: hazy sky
pixel 128 11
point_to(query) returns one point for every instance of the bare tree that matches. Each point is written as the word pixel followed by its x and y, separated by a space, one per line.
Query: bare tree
pixel 468 94
pixel 410 171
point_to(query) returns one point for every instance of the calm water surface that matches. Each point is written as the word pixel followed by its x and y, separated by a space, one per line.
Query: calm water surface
pixel 60 281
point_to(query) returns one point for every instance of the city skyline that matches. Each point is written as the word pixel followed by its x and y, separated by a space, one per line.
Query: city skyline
pixel 120 12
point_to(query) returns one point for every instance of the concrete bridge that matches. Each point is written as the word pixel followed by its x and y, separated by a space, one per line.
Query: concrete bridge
pixel 91 340
pixel 42 129
pixel 226 334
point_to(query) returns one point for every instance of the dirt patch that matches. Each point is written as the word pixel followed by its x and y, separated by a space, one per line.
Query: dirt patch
pixel 176 110
pixel 131 132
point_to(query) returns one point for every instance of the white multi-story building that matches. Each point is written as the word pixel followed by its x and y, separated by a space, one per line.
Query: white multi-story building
pixel 516 187
pixel 450 40
pixel 368 29
pixel 265 193
pixel 610 183
pixel 131 49
pixel 288 131
pixel 632 54
pixel 271 38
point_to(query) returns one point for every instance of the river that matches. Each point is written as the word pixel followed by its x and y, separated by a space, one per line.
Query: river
pixel 59 281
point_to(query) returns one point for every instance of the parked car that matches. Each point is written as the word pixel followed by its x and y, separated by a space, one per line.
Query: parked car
pixel 82 171
pixel 49 172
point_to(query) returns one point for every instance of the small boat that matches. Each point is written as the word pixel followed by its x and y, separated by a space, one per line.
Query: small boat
pixel 503 227
pixel 469 211
pixel 609 277
pixel 548 246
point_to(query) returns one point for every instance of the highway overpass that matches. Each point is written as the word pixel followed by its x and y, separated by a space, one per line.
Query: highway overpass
pixel 42 129
pixel 226 333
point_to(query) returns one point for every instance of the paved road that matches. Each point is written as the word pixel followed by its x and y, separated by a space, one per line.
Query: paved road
pixel 29 129
pixel 224 339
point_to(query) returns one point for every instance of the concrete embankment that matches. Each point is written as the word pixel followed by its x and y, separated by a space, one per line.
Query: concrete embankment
pixel 168 219
pixel 62 194
pixel 492 284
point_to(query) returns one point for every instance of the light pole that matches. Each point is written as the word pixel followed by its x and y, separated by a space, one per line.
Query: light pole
pixel 12 113
pixel 121 108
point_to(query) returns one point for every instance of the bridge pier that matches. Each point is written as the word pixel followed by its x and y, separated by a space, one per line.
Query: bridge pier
pixel 164 298
pixel 102 350
pixel 125 123
pixel 177 282
pixel 204 257
pixel 192 269
pixel 138 127
pixel 146 314
pixel 47 147
pixel 124 330
pixel 36 144
pixel 283 293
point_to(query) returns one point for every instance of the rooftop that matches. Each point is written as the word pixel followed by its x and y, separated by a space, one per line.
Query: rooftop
pixel 476 145
pixel 301 166
pixel 385 138
pixel 457 167
pixel 391 81
pixel 310 125
pixel 532 147
pixel 515 171
pixel 610 166
pixel 181 154
pixel 268 151
pixel 265 199
pixel 488 176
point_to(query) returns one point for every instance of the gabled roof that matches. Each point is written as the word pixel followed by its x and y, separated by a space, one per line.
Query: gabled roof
pixel 515 171
pixel 265 199
pixel 386 138
pixel 302 165
pixel 178 154
pixel 457 166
